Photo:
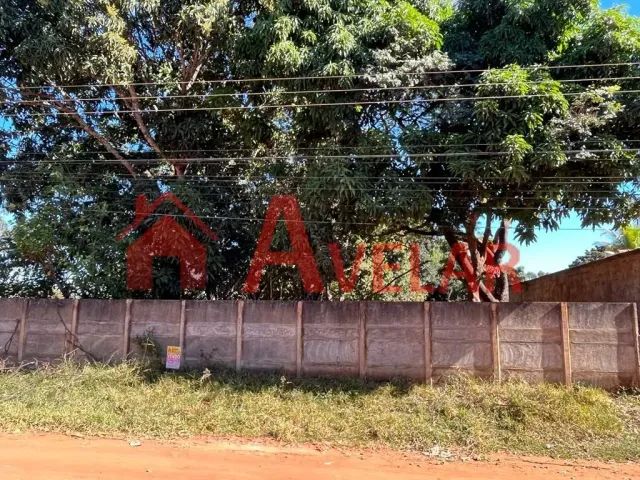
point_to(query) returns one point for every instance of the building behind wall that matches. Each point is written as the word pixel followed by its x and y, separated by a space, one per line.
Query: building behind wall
pixel 613 279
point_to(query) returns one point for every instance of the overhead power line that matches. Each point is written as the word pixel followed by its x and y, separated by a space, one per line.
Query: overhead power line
pixel 201 96
pixel 301 105
pixel 306 222
pixel 436 186
pixel 328 148
pixel 267 177
pixel 382 157
pixel 329 77
pixel 397 185
pixel 605 203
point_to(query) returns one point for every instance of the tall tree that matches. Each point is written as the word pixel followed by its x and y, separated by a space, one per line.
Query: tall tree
pixel 530 140
pixel 104 101
pixel 110 100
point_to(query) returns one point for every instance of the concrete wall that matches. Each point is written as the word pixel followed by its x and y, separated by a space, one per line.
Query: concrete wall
pixel 47 330
pixel 603 343
pixel 101 331
pixel 11 315
pixel 210 334
pixel 594 343
pixel 461 339
pixel 613 279
pixel 531 343
pixel 159 320
pixel 331 338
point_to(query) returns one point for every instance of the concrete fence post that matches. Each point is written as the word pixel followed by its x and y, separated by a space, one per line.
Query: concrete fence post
pixel 126 329
pixel 362 340
pixel 636 336
pixel 428 363
pixel 23 330
pixel 183 324
pixel 239 321
pixel 495 344
pixel 299 333
pixel 72 335
pixel 566 343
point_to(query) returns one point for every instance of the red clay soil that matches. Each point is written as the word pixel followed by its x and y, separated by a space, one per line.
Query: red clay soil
pixel 55 457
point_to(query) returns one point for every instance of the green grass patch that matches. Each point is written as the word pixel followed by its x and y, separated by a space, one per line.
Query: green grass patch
pixel 472 415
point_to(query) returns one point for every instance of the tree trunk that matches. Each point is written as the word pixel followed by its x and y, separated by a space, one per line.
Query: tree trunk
pixel 474 257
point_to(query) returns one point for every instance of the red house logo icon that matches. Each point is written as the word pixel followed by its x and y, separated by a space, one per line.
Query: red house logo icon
pixel 166 238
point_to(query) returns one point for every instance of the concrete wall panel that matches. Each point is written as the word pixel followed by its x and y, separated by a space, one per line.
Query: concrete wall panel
pixel 330 338
pixel 11 311
pixel 602 342
pixel 533 356
pixel 461 339
pixel 269 336
pixel 46 329
pixel 210 337
pixel 100 330
pixel 531 341
pixel 525 316
pixel 394 339
pixel 158 319
pixel 608 316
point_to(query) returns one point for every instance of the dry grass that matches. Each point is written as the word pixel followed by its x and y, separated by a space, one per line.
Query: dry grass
pixel 467 414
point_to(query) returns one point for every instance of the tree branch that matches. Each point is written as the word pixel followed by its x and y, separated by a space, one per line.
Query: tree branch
pixel 451 237
pixel 7 345
pixel 85 126
pixel 74 338
pixel 132 102
pixel 473 241
pixel 487 233
pixel 501 240
pixel 192 69
pixel 489 295
pixel 99 137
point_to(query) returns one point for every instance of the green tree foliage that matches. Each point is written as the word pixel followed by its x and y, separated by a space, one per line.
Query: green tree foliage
pixel 622 240
pixel 495 33
pixel 542 141
pixel 524 275
pixel 596 253
pixel 393 156
pixel 631 236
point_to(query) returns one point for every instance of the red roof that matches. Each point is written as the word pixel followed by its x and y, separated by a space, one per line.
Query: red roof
pixel 144 209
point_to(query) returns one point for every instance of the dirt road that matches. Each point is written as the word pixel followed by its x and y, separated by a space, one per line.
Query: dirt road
pixel 54 457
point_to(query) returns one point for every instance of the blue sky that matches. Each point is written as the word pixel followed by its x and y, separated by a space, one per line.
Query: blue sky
pixel 633 5
pixel 554 251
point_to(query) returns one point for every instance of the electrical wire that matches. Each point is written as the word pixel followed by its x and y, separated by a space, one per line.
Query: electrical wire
pixel 306 222
pixel 333 77
pixel 293 105
pixel 320 148
pixel 202 96
pixel 267 177
pixel 383 157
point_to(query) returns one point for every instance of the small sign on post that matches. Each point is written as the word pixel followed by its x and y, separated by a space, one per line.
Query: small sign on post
pixel 174 358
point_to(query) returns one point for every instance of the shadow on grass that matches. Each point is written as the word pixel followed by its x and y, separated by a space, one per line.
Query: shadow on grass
pixel 151 371
pixel 261 381
pixel 255 382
